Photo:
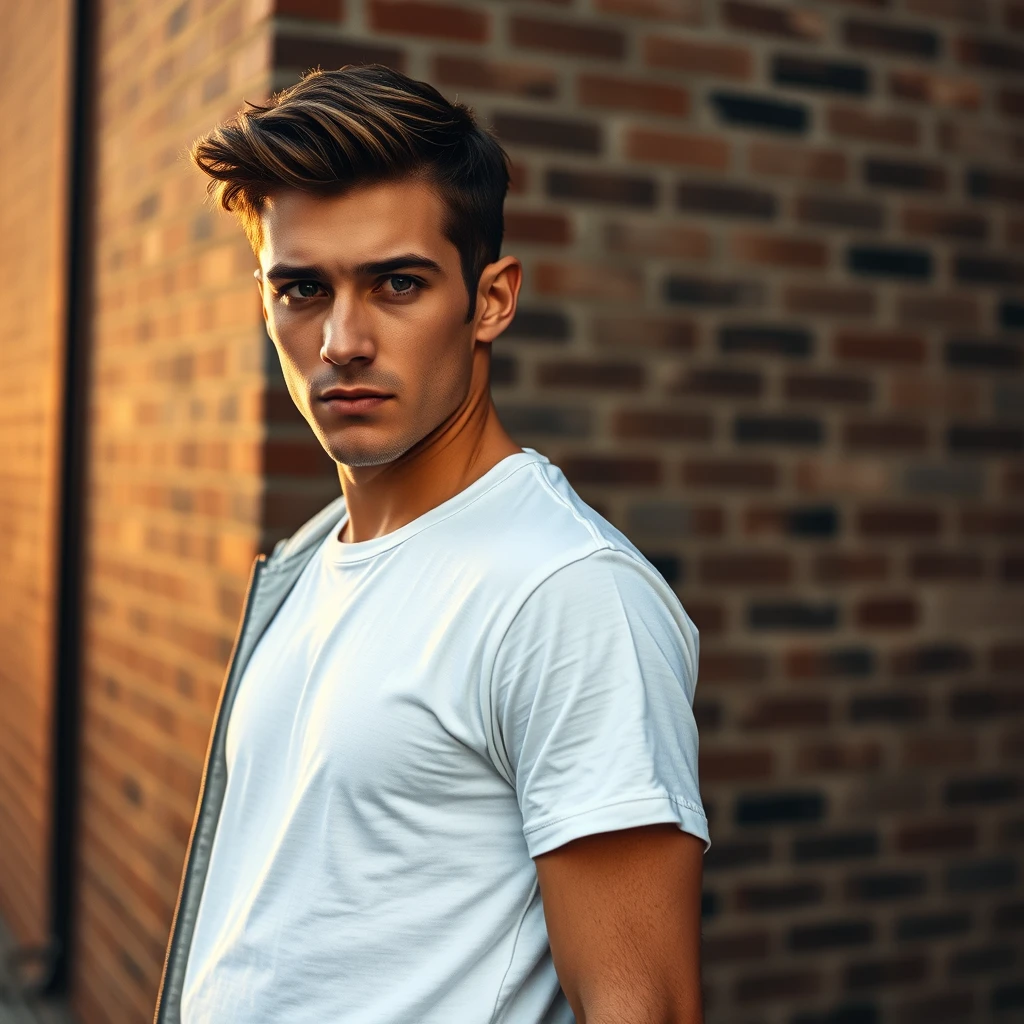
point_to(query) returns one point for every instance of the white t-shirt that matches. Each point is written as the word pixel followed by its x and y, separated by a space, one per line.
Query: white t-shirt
pixel 428 711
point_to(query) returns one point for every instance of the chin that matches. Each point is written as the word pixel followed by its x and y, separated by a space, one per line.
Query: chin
pixel 366 453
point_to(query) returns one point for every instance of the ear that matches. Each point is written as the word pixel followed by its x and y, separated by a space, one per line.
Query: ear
pixel 258 274
pixel 497 296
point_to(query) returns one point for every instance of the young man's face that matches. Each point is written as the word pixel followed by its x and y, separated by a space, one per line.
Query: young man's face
pixel 364 292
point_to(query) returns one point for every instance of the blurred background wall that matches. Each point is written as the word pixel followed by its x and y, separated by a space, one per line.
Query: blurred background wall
pixel 772 327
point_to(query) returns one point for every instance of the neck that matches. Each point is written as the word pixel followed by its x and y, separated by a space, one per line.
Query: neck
pixel 382 499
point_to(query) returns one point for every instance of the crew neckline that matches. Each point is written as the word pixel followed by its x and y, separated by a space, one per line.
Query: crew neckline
pixel 357 551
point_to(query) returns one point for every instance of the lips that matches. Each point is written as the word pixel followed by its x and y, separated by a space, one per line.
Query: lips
pixel 356 401
pixel 352 393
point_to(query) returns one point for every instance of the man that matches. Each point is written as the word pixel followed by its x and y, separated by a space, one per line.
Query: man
pixel 453 775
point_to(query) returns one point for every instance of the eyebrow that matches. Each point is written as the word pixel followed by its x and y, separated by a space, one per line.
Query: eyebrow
pixel 372 268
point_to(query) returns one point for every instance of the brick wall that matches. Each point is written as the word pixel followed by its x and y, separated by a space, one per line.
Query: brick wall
pixel 772 328
pixel 33 82
pixel 175 467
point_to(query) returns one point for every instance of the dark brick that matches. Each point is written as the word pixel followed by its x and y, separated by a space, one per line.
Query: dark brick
pixel 812 521
pixel 777 430
pixel 595 187
pixel 830 758
pixel 798 615
pixel 669 566
pixel 775 713
pixel 946 565
pixel 669 333
pixel 983 355
pixel 741 473
pixel 839 212
pixel 886 973
pixel 830 935
pixel 1011 315
pixel 610 470
pixel 837 846
pixel 707 714
pixel 719 382
pixel 838 663
pixel 896 521
pixel 899 174
pixel 942 1008
pixel 734 946
pixel 303 52
pixel 547 325
pixel 888 707
pixel 784 896
pixel 813 73
pixel 751 568
pixel 974 269
pixel 550 420
pixel 496 76
pixel 781 341
pixel 662 424
pixel 932 659
pixel 982 789
pixel 1008 917
pixel 942 223
pixel 504 370
pixel 886 886
pixel 982 959
pixel 732 666
pixel 760 112
pixel 914 927
pixel 890 38
pixel 991 53
pixel 573 37
pixel 1007 997
pixel 549 132
pixel 429 19
pixel 822 387
pixel 848 1013
pixel 726 855
pixel 982 875
pixel 780 808
pixel 709 904
pixel 930 837
pixel 958 481
pixel 868 435
pixel 788 985
pixel 603 376
pixel 714 198
pixel 702 291
pixel 890 261
pixel 985 184
pixel 995 440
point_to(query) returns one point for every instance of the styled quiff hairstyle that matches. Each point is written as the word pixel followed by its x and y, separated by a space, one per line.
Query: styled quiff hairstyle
pixel 334 130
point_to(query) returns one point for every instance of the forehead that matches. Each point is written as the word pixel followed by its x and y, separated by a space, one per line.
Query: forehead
pixel 363 224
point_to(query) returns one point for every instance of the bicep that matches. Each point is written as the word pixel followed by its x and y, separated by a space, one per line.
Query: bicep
pixel 623 918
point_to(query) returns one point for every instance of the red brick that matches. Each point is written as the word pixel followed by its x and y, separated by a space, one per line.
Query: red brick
pixel 668 425
pixel 945 223
pixel 959 10
pixel 918 393
pixel 887 613
pixel 738 473
pixel 791 22
pixel 611 470
pixel 937 750
pixel 687 12
pixel 826 387
pixel 881 435
pixel 835 477
pixel 899 521
pixel 735 946
pixel 496 76
pixel 425 18
pixel 704 151
pixel 829 301
pixel 588 280
pixel 851 567
pixel 780 986
pixel 775 250
pixel 735 765
pixel 832 757
pixel 935 89
pixel 729 666
pixel 789 161
pixel 315 10
pixel 937 837
pixel 618 93
pixel 851 122
pixel 669 333
pixel 572 37
pixel 537 226
pixel 653 239
pixel 1011 102
pixel 880 346
pixel 683 56
pixel 992 522
pixel 936 565
pixel 787 713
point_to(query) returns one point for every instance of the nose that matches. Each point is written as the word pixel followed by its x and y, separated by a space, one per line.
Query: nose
pixel 347 331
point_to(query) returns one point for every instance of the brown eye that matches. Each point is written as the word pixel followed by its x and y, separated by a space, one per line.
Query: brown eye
pixel 401 284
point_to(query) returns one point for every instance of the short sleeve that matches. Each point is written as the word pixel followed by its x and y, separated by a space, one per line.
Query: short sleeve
pixel 593 697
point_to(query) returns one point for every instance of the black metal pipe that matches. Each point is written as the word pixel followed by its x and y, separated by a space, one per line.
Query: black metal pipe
pixel 71 495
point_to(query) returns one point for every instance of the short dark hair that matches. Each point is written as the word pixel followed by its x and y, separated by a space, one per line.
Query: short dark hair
pixel 333 130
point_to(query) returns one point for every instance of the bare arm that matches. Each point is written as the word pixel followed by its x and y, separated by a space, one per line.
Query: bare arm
pixel 623 918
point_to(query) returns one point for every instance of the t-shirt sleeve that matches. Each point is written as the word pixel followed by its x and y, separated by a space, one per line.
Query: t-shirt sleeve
pixel 593 697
